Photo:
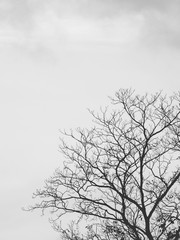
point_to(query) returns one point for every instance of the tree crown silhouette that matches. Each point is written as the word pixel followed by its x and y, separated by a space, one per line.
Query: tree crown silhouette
pixel 123 173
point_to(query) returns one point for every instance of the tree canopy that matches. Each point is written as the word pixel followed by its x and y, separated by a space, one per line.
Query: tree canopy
pixel 122 176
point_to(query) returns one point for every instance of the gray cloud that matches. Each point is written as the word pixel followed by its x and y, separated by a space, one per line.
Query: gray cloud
pixel 40 21
pixel 17 13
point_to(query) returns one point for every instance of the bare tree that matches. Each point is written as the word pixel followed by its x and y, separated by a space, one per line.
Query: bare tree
pixel 124 173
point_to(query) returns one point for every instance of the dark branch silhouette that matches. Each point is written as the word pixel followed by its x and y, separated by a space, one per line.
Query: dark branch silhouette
pixel 123 174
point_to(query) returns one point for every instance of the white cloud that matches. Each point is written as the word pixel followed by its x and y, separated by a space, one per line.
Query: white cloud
pixel 76 28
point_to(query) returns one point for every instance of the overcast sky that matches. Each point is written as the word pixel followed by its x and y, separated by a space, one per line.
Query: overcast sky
pixel 58 58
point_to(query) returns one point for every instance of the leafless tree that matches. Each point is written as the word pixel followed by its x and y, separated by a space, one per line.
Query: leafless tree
pixel 124 172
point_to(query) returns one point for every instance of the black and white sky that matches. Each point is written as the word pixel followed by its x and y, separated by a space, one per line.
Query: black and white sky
pixel 58 58
pixel 33 23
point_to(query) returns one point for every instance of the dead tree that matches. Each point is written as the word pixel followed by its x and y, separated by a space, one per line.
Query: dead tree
pixel 124 172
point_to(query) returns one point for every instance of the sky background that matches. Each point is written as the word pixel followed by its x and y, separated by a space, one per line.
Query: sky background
pixel 58 58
